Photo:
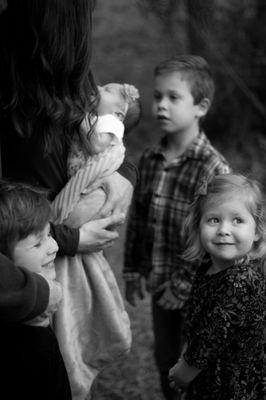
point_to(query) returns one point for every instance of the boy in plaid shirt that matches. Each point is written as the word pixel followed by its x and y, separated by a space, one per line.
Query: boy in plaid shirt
pixel 170 174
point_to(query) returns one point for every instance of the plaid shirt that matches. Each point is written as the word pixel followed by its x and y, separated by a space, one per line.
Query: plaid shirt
pixel 155 237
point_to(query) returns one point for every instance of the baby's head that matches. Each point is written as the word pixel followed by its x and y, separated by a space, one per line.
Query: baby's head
pixel 227 219
pixel 121 100
pixel 25 237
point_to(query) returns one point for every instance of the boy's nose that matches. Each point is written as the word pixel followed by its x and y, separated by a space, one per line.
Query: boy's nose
pixel 162 104
pixel 52 246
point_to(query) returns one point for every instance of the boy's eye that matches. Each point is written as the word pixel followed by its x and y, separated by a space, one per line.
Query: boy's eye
pixel 157 96
pixel 174 97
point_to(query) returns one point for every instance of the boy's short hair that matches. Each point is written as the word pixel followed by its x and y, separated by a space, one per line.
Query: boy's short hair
pixel 195 70
pixel 24 210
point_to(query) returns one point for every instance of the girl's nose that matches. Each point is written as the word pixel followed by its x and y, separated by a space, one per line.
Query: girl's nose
pixel 223 229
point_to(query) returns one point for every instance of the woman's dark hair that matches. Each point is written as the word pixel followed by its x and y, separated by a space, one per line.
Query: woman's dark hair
pixel 46 85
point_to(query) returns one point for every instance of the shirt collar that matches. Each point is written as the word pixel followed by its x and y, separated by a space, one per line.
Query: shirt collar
pixel 196 150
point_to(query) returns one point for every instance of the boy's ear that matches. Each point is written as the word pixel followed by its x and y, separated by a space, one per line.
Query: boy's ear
pixel 203 107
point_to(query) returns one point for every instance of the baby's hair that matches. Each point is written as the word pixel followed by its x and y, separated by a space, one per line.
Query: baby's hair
pixel 195 70
pixel 219 185
pixel 133 115
pixel 24 210
pixel 134 111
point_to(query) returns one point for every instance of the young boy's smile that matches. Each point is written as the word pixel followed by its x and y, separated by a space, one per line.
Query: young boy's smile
pixel 227 229
pixel 36 251
pixel 173 104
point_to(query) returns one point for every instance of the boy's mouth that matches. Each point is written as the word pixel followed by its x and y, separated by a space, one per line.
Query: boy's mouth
pixel 50 264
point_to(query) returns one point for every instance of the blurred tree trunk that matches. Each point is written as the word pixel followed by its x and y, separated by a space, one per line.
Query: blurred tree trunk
pixel 199 23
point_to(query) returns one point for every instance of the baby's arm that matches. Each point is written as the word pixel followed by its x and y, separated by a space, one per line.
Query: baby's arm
pixel 108 130
pixel 99 142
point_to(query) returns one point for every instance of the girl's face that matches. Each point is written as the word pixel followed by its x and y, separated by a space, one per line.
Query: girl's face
pixel 227 229
pixel 36 252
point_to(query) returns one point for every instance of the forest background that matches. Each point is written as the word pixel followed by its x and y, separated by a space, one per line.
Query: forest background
pixel 129 38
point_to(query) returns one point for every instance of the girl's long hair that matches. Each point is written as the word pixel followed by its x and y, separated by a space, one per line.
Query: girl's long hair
pixel 220 185
pixel 46 85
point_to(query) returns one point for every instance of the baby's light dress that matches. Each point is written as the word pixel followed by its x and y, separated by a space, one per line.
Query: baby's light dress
pixel 92 325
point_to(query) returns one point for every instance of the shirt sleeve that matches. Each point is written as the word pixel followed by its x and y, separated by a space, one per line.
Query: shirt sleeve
pixel 67 239
pixel 136 224
pixel 129 171
pixel 23 295
pixel 217 327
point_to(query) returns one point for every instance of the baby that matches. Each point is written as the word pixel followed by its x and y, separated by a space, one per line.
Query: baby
pixel 118 111
pixel 93 312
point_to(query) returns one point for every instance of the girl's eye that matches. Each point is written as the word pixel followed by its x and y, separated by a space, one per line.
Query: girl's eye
pixel 213 220
pixel 238 220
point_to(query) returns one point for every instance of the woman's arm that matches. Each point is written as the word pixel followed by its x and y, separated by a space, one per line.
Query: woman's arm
pixel 23 295
pixel 90 237
pixel 129 171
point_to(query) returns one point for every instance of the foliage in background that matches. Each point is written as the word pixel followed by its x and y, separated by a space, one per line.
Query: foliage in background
pixel 132 36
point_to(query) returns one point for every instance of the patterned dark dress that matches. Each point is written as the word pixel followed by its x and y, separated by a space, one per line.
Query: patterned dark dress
pixel 226 315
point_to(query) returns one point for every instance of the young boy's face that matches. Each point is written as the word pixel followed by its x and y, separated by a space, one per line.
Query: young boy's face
pixel 173 104
pixel 112 101
pixel 36 251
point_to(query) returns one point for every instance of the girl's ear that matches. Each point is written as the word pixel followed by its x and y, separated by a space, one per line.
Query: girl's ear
pixel 203 107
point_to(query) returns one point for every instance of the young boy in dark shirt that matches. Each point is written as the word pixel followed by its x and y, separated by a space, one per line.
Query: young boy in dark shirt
pixel 31 363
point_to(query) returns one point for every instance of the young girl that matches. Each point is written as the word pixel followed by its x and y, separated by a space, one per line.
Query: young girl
pixel 92 325
pixel 226 311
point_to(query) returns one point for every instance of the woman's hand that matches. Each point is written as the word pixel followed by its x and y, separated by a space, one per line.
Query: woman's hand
pixel 119 192
pixel 98 234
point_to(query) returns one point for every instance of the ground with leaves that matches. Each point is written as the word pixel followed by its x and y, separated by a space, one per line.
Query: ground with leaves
pixel 135 377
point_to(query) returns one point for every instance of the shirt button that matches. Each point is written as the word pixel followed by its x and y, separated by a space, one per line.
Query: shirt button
pixel 157 195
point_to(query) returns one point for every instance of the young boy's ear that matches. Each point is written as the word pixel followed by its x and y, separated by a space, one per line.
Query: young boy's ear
pixel 203 107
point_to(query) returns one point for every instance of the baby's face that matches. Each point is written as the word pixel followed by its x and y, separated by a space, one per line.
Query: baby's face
pixel 112 101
